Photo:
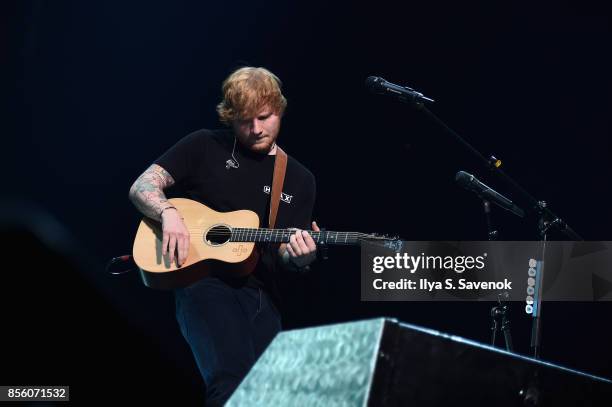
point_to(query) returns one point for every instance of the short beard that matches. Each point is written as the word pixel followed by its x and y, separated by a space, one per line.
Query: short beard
pixel 262 148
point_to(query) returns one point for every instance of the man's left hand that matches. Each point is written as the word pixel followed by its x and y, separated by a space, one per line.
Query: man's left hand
pixel 301 247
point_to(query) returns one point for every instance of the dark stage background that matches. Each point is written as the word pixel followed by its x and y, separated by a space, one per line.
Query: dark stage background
pixel 95 91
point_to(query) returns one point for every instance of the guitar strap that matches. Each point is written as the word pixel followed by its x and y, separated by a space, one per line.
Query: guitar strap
pixel 280 166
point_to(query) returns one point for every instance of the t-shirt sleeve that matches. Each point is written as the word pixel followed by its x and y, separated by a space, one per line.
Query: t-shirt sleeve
pixel 181 158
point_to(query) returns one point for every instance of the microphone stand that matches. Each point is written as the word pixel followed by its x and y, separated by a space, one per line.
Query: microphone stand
pixel 547 218
pixel 547 221
pixel 491 233
pixel 499 317
pixel 494 165
pixel 499 312
pixel 536 330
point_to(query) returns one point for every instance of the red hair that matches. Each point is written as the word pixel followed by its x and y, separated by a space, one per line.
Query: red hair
pixel 248 90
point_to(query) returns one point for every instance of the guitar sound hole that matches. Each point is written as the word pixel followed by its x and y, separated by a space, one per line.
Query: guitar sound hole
pixel 218 235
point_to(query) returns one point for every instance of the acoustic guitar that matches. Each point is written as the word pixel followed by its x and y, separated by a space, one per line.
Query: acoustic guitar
pixel 220 242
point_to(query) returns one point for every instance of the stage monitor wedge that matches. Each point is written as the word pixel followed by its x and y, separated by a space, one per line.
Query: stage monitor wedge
pixel 382 362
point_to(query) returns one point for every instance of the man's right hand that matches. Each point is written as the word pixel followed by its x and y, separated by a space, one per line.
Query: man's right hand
pixel 175 236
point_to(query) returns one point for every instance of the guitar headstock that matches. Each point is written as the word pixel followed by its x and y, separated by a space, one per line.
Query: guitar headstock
pixel 389 242
pixel 377 236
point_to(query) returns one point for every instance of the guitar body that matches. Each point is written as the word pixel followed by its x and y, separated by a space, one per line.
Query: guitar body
pixel 221 244
pixel 210 251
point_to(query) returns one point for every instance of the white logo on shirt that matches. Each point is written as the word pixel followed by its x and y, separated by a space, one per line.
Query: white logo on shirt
pixel 284 197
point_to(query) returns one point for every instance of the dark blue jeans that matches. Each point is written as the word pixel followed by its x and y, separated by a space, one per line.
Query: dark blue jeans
pixel 228 327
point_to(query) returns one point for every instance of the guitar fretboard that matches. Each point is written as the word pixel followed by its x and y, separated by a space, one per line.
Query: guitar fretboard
pixel 283 235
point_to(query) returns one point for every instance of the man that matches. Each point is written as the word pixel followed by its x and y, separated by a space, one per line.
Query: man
pixel 228 322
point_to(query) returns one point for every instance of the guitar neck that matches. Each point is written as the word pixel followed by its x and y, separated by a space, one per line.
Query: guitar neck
pixel 282 236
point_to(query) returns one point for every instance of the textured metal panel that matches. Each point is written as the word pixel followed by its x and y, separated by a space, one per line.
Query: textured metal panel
pixel 323 366
pixel 384 363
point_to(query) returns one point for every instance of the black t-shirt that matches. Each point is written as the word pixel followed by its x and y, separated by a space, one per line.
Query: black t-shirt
pixel 197 163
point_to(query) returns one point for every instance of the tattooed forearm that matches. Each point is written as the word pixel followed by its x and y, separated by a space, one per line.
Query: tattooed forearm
pixel 147 193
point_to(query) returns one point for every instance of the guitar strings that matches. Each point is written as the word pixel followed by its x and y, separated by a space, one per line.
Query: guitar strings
pixel 255 233
pixel 285 237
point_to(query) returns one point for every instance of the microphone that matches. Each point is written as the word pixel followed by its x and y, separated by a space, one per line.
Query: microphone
pixel 380 86
pixel 471 183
